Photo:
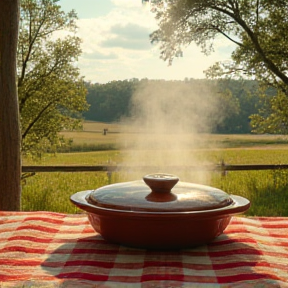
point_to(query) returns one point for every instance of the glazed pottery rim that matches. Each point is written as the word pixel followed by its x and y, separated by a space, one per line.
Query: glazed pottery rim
pixel 239 205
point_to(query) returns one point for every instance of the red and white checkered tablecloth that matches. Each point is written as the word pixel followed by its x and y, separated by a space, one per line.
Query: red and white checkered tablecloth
pixel 45 249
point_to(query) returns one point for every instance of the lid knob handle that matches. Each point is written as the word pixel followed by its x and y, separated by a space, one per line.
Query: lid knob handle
pixel 161 185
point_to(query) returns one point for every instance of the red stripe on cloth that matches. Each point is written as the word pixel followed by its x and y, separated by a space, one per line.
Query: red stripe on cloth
pixel 269 219
pixel 129 266
pixel 28 214
pixel 31 239
pixel 231 252
pixel 60 251
pixel 275 225
pixel 69 223
pixel 246 251
pixel 196 266
pixel 258 233
pixel 238 264
pixel 162 264
pixel 277 235
pixel 126 279
pixel 252 241
pixel 8 221
pixel 279 243
pixel 49 264
pixel 48 220
pixel 88 228
pixel 82 276
pixel 200 281
pixel 232 265
pixel 194 253
pixel 94 251
pixel 38 228
pixel 9 229
pixel 40 240
pixel 101 264
pixel 159 277
pixel 22 249
pixel 244 277
pixel 17 262
pixel 78 263
pixel 22 277
pixel 236 230
pixel 94 240
pixel 225 242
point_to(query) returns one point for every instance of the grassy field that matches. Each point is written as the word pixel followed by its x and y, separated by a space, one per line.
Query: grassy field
pixel 123 136
pixel 267 190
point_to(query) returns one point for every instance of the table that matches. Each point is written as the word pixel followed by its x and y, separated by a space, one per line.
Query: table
pixel 45 249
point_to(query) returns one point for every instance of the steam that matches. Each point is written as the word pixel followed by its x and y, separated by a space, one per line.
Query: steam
pixel 170 122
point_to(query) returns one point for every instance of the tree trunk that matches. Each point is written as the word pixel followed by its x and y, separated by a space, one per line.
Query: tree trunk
pixel 10 159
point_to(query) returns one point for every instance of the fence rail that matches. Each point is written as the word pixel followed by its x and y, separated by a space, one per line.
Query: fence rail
pixel 221 167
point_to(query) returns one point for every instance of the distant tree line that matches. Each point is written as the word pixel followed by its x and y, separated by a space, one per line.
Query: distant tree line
pixel 109 102
pixel 237 100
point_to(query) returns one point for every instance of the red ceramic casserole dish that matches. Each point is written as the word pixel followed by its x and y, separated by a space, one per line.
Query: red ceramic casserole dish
pixel 159 212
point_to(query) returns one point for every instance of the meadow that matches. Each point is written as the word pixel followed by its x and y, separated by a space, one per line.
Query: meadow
pixel 267 190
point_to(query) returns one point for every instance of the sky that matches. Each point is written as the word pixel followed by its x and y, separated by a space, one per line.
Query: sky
pixel 116 46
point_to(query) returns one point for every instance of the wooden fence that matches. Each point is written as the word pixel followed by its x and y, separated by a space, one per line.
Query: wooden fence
pixel 82 168
pixel 223 168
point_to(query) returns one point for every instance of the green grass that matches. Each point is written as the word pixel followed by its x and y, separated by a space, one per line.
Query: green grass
pixel 121 136
pixel 51 191
pixel 267 190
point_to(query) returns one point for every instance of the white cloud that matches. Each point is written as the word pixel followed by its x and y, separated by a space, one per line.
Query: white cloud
pixel 118 29
pixel 127 3
pixel 98 55
pixel 116 46
pixel 129 36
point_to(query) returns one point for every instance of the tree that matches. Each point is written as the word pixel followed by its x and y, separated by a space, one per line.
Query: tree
pixel 258 28
pixel 244 103
pixel 273 116
pixel 111 101
pixel 50 88
pixel 10 163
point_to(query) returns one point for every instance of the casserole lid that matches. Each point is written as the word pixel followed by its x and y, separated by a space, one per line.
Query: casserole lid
pixel 159 193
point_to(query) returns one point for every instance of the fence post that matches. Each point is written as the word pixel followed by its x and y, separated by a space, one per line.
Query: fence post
pixel 109 175
pixel 223 168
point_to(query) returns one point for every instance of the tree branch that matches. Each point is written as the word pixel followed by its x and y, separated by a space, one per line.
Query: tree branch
pixel 36 85
pixel 269 63
pixel 227 36
pixel 257 12
pixel 32 41
pixel 36 119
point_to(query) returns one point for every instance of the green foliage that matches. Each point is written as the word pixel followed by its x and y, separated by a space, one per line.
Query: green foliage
pixel 52 191
pixel 111 101
pixel 234 100
pixel 85 147
pixel 50 88
pixel 243 102
pixel 259 31
pixel 273 117
pixel 266 190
